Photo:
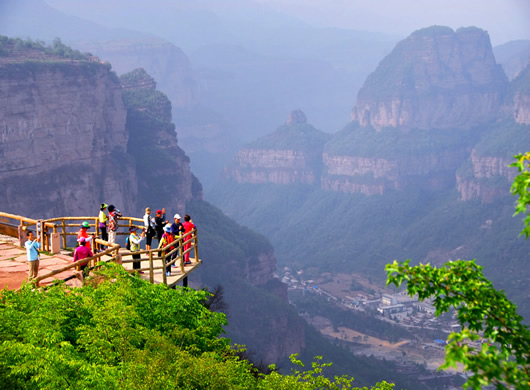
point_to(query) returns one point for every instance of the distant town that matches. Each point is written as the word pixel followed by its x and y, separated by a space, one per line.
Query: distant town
pixel 396 308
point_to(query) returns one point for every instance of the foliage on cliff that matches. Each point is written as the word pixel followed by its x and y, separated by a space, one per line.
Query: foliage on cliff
pixel 8 46
pixel 389 143
pixel 120 331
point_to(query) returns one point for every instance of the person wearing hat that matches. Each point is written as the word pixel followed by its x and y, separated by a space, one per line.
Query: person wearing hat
pixel 82 252
pixel 149 228
pixel 102 218
pixel 159 223
pixel 85 235
pixel 167 238
pixel 135 240
pixel 177 229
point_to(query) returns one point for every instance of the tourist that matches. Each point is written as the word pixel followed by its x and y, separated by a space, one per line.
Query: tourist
pixel 188 227
pixel 177 229
pixel 166 239
pixel 134 242
pixel 82 252
pixel 159 223
pixel 149 228
pixel 114 215
pixel 32 249
pixel 84 234
pixel 103 222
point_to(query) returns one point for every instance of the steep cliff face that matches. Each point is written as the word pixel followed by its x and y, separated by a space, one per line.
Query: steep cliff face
pixel 163 169
pixel 436 78
pixel 485 177
pixel 374 175
pixel 57 154
pixel 521 96
pixel 290 155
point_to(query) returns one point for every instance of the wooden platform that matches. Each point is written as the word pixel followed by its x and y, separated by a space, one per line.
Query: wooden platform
pixel 158 274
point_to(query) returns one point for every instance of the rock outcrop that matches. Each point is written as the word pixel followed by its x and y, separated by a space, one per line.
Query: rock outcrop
pixel 57 155
pixel 480 178
pixel 435 79
pixel 290 155
pixel 375 175
pixel 162 167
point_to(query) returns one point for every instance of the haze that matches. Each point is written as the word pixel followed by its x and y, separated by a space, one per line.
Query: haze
pixel 505 20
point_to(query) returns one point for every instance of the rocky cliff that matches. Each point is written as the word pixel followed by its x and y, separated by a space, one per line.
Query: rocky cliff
pixel 57 155
pixel 435 79
pixel 162 167
pixel 290 155
pixel 521 96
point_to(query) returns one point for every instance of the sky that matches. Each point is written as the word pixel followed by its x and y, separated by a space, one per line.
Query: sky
pixel 504 19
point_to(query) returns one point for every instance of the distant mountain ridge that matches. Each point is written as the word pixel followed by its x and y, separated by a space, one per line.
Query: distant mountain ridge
pixel 417 120
pixel 428 181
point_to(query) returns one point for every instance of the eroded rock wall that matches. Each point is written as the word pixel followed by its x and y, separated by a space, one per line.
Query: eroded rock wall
pixel 63 139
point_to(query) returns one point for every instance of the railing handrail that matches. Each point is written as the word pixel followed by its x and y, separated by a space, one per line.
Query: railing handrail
pixel 60 224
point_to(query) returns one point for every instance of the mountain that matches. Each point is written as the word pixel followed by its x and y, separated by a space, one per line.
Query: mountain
pixel 437 78
pixel 514 56
pixel 421 172
pixel 289 155
pixel 248 63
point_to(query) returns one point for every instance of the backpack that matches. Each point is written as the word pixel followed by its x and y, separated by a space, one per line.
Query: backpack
pixel 128 243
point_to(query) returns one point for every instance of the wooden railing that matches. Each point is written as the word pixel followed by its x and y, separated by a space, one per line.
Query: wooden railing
pixel 173 253
pixel 10 223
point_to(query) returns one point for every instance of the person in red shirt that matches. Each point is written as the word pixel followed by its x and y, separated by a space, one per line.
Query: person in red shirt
pixel 84 234
pixel 188 227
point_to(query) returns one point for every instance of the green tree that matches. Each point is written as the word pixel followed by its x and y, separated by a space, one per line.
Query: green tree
pixel 521 188
pixel 494 344
pixel 120 332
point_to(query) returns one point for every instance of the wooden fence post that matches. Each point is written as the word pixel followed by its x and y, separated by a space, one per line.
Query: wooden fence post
pixel 164 276
pixel 64 233
pixel 151 271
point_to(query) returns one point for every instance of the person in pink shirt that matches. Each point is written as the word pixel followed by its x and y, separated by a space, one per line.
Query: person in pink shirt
pixel 188 227
pixel 82 252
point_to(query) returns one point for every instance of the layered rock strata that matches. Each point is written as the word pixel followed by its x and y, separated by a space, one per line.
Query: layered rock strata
pixel 290 155
pixel 479 184
pixel 63 137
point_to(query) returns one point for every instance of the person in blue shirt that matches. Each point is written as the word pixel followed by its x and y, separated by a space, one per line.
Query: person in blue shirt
pixel 32 249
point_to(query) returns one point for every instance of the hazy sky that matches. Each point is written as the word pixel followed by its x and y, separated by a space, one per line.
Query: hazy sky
pixel 504 19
